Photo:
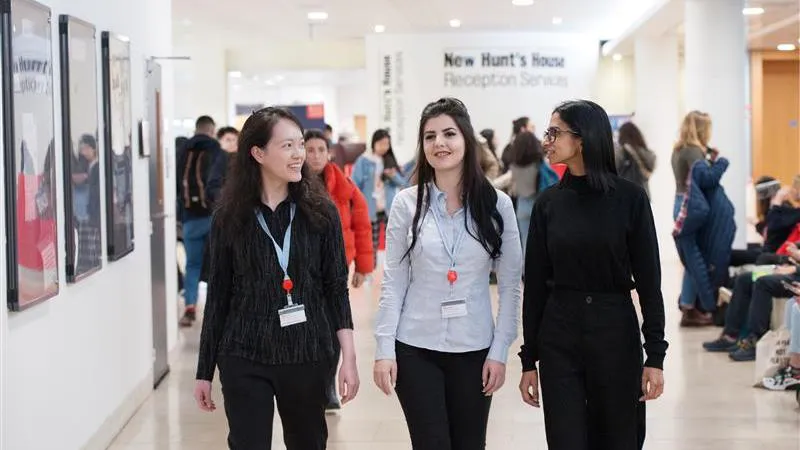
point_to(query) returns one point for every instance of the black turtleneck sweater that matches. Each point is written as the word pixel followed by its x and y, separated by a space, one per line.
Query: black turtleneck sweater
pixel 586 240
pixel 245 293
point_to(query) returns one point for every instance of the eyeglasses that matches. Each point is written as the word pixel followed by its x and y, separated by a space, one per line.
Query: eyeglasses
pixel 552 133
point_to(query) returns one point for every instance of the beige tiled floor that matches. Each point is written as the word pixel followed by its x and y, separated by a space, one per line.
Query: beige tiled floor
pixel 709 403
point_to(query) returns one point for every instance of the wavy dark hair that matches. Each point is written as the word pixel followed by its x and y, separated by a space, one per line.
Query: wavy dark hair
pixel 590 121
pixel 477 193
pixel 527 149
pixel 242 190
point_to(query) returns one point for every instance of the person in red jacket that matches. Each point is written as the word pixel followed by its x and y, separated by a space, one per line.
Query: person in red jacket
pixel 354 213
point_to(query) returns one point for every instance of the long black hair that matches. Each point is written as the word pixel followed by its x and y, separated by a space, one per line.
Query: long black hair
pixel 389 160
pixel 590 121
pixel 488 134
pixel 242 190
pixel 477 193
pixel 527 149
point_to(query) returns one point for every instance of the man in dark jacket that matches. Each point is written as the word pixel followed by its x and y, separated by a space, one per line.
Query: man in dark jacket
pixel 200 171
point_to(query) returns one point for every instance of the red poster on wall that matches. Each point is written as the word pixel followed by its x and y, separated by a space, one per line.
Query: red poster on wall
pixel 315 112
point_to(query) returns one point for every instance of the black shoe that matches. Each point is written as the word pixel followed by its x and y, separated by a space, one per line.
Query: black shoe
pixel 722 344
pixel 188 319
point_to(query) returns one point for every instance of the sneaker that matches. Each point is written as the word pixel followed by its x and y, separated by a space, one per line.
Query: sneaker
pixel 746 351
pixel 188 318
pixel 721 344
pixel 786 378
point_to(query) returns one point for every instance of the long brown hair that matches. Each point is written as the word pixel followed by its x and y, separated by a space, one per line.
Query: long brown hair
pixel 242 190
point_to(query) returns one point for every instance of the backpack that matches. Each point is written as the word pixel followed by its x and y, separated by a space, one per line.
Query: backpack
pixel 196 170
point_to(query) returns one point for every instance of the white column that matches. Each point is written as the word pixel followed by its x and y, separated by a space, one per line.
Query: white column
pixel 657 115
pixel 716 66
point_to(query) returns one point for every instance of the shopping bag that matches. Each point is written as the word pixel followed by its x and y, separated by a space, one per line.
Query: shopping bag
pixel 772 354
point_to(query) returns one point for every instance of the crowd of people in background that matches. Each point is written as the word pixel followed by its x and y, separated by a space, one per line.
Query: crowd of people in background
pixel 723 286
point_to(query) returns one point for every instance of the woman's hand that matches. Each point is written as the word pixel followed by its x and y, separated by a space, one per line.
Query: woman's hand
pixel 652 384
pixel 202 395
pixel 348 380
pixel 358 280
pixel 494 375
pixel 385 375
pixel 529 388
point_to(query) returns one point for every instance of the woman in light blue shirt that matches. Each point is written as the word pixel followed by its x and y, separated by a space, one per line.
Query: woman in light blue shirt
pixel 438 344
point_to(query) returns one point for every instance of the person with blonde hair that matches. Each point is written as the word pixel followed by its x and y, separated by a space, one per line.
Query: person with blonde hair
pixel 693 146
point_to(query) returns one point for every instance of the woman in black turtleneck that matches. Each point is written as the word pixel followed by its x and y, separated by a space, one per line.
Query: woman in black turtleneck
pixel 592 240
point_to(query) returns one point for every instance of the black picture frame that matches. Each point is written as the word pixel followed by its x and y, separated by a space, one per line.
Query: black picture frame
pixel 81 155
pixel 29 151
pixel 118 136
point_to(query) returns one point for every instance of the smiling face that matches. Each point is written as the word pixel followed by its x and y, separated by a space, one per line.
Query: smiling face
pixel 317 155
pixel 283 157
pixel 561 144
pixel 443 143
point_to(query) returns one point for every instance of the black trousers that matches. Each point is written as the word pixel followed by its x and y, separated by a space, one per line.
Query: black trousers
pixel 442 399
pixel 251 389
pixel 590 371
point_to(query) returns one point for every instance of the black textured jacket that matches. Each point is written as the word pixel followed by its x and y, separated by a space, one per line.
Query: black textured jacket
pixel 245 293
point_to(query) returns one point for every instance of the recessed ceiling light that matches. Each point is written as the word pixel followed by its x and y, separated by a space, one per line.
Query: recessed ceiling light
pixel 235 74
pixel 278 78
pixel 317 15
pixel 522 2
pixel 617 57
pixel 455 23
pixel 787 47
pixel 753 11
pixel 557 20
pixel 380 28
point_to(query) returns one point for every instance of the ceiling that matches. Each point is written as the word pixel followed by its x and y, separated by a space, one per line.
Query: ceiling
pixel 780 24
pixel 239 23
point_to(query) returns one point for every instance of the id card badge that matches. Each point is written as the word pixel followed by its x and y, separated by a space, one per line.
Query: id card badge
pixel 453 308
pixel 292 315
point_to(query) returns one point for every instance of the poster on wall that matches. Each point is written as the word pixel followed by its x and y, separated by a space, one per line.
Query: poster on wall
pixel 118 143
pixel 498 76
pixel 29 154
pixel 81 154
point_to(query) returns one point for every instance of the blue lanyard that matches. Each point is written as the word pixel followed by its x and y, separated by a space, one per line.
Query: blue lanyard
pixel 453 250
pixel 282 252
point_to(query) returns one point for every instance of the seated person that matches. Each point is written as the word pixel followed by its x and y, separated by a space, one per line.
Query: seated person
pixel 779 213
pixel 789 377
pixel 751 306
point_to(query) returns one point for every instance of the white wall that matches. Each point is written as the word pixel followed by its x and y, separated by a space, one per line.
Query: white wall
pixel 614 85
pixel 88 352
pixel 200 83
pixel 419 76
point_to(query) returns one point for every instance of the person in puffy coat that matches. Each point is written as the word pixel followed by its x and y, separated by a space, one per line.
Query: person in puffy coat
pixel 704 232
pixel 354 213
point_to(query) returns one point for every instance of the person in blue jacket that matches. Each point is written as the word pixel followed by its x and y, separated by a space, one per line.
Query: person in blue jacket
pixel 380 178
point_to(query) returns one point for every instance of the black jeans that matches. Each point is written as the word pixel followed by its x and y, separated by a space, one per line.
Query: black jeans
pixel 442 399
pixel 751 303
pixel 251 389
pixel 590 366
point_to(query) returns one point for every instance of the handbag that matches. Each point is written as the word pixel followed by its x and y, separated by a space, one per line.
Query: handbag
pixel 772 354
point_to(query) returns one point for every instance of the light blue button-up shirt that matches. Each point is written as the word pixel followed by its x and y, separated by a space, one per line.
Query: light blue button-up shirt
pixel 414 287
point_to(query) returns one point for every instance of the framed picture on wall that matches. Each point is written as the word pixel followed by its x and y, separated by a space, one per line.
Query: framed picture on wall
pixel 118 134
pixel 81 154
pixel 29 153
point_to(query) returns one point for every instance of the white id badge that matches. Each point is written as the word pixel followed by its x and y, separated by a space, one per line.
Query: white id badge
pixel 454 308
pixel 292 315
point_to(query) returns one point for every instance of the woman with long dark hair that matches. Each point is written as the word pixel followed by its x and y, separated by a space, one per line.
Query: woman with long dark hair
pixel 635 162
pixel 592 240
pixel 437 340
pixel 277 310
pixel 528 159
pixel 379 177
